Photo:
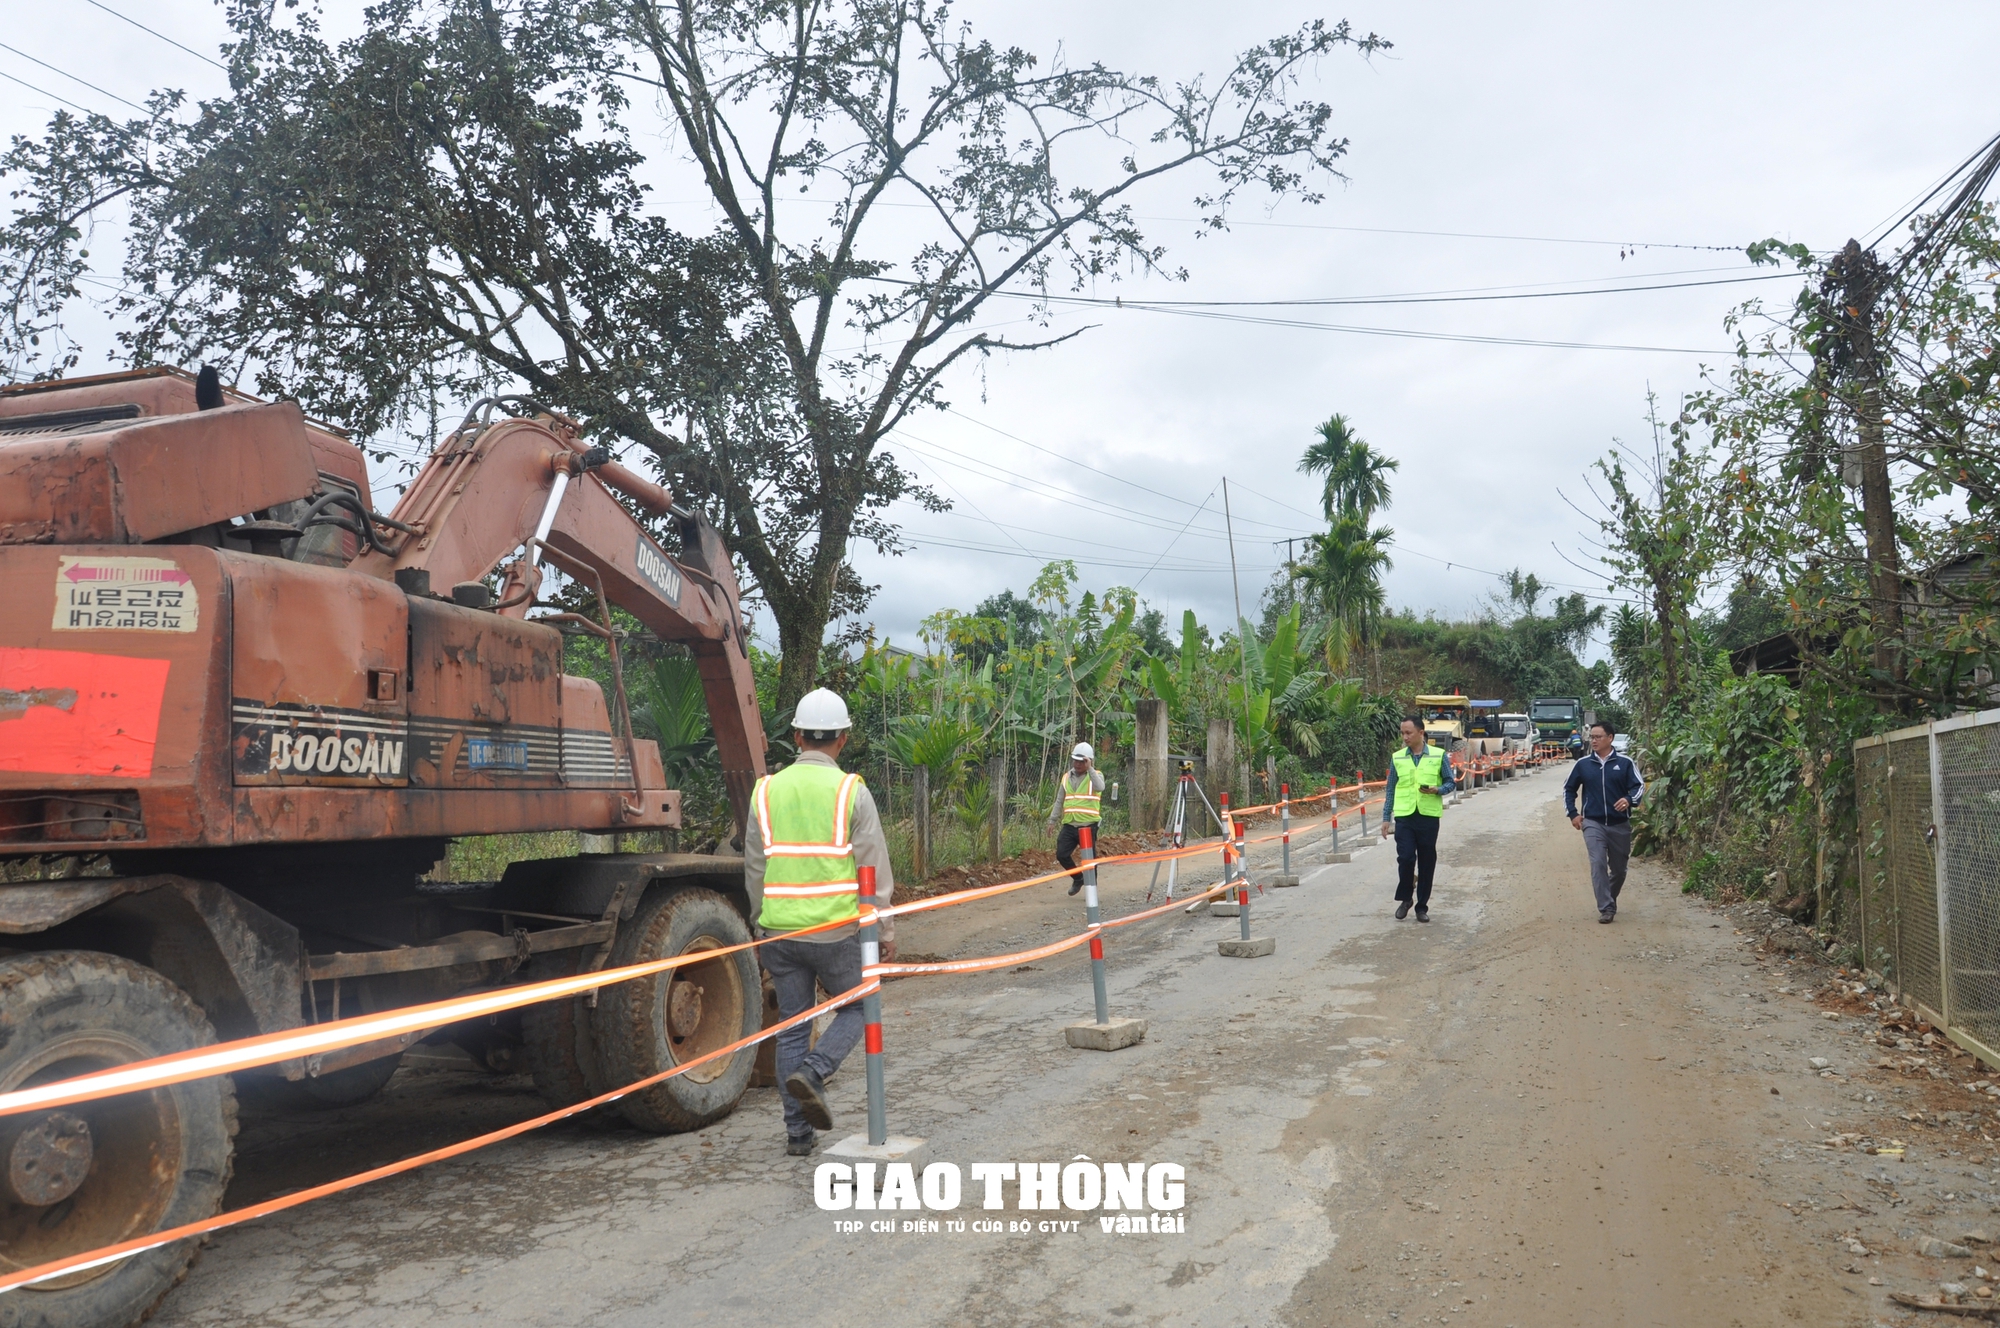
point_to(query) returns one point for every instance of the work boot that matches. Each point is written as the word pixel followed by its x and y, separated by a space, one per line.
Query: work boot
pixel 801 1146
pixel 1075 884
pixel 809 1091
pixel 1402 910
pixel 1606 917
pixel 1423 913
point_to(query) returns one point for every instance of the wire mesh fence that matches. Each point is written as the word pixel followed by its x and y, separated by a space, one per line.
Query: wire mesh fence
pixel 1927 888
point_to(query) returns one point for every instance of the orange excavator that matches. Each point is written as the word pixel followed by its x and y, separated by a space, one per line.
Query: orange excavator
pixel 241 716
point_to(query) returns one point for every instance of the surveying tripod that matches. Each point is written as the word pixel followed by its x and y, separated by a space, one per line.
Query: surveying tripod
pixel 1177 820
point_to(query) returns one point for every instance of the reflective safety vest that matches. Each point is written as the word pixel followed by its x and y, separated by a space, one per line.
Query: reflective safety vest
pixel 806 815
pixel 1080 800
pixel 1412 772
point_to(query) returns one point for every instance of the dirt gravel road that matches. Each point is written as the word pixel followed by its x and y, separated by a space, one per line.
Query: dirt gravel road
pixel 1509 1116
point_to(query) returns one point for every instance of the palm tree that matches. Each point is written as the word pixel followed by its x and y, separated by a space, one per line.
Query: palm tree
pixel 1357 476
pixel 1343 569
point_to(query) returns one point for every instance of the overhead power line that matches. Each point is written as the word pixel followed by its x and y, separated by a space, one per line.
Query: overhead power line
pixel 942 542
pixel 46 93
pixel 1328 301
pixel 1631 245
pixel 71 77
pixel 1409 334
pixel 161 35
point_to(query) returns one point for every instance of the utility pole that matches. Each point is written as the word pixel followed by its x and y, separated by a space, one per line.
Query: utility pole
pixel 1229 529
pixel 1856 279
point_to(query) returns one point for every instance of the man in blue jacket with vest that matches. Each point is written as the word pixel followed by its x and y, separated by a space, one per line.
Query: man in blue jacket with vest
pixel 1413 803
pixel 1611 789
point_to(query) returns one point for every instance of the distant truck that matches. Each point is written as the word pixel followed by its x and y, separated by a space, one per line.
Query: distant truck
pixel 1445 719
pixel 1558 719
pixel 1518 731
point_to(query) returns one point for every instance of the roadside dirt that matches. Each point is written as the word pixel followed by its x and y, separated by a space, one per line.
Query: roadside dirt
pixel 1574 1123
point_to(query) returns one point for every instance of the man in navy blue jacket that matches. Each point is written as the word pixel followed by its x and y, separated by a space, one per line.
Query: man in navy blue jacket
pixel 1611 789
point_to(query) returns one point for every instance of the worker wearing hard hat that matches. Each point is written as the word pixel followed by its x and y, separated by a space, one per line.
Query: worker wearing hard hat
pixel 811 826
pixel 1079 803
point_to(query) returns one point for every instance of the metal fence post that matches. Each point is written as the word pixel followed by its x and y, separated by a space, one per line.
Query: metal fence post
pixel 1940 875
pixel 920 827
pixel 996 779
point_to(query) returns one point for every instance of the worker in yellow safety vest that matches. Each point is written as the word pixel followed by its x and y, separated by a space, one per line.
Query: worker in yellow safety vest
pixel 1079 803
pixel 1412 805
pixel 811 826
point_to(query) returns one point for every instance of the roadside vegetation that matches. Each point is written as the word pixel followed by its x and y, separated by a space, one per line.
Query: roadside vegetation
pixel 1830 494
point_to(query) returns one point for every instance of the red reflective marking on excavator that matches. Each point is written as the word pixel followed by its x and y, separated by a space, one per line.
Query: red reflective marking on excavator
pixel 68 712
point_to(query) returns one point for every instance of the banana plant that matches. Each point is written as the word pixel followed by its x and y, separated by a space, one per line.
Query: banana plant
pixel 1176 686
pixel 1275 703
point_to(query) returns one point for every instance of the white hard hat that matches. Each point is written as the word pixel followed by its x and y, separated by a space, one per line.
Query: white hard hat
pixel 821 711
pixel 1083 753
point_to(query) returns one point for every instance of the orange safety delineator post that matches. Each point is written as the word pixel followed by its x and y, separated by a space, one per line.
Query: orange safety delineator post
pixel 871 1012
pixel 1244 947
pixel 1223 908
pixel 1106 1033
pixel 877 1143
pixel 1285 876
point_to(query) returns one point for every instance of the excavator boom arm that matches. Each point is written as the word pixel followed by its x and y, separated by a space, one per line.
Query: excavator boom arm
pixel 485 493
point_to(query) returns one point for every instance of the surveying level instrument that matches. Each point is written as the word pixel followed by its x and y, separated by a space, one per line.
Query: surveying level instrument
pixel 1177 822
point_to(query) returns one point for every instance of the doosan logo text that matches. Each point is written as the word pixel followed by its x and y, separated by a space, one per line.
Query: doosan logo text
pixel 333 754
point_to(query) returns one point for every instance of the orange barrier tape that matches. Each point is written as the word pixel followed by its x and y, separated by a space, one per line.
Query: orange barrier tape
pixel 268 1048
pixel 318 1039
pixel 409 1021
pixel 140 1244
pixel 991 962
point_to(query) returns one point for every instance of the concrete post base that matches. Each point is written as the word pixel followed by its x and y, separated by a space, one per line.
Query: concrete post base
pixel 899 1149
pixel 1093 1036
pixel 1254 948
pixel 1342 856
pixel 1219 909
pixel 1282 880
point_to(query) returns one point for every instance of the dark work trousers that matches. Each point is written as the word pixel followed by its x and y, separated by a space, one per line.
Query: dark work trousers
pixel 1610 848
pixel 1067 840
pixel 793 965
pixel 1416 856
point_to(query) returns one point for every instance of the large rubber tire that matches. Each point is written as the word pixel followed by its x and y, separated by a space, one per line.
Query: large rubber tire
pixel 159 1160
pixel 560 1051
pixel 632 1026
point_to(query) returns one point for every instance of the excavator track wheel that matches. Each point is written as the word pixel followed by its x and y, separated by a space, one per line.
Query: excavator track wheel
pixel 653 1024
pixel 96 1173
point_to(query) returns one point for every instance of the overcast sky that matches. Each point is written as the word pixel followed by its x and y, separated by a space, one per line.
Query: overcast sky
pixel 1526 147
